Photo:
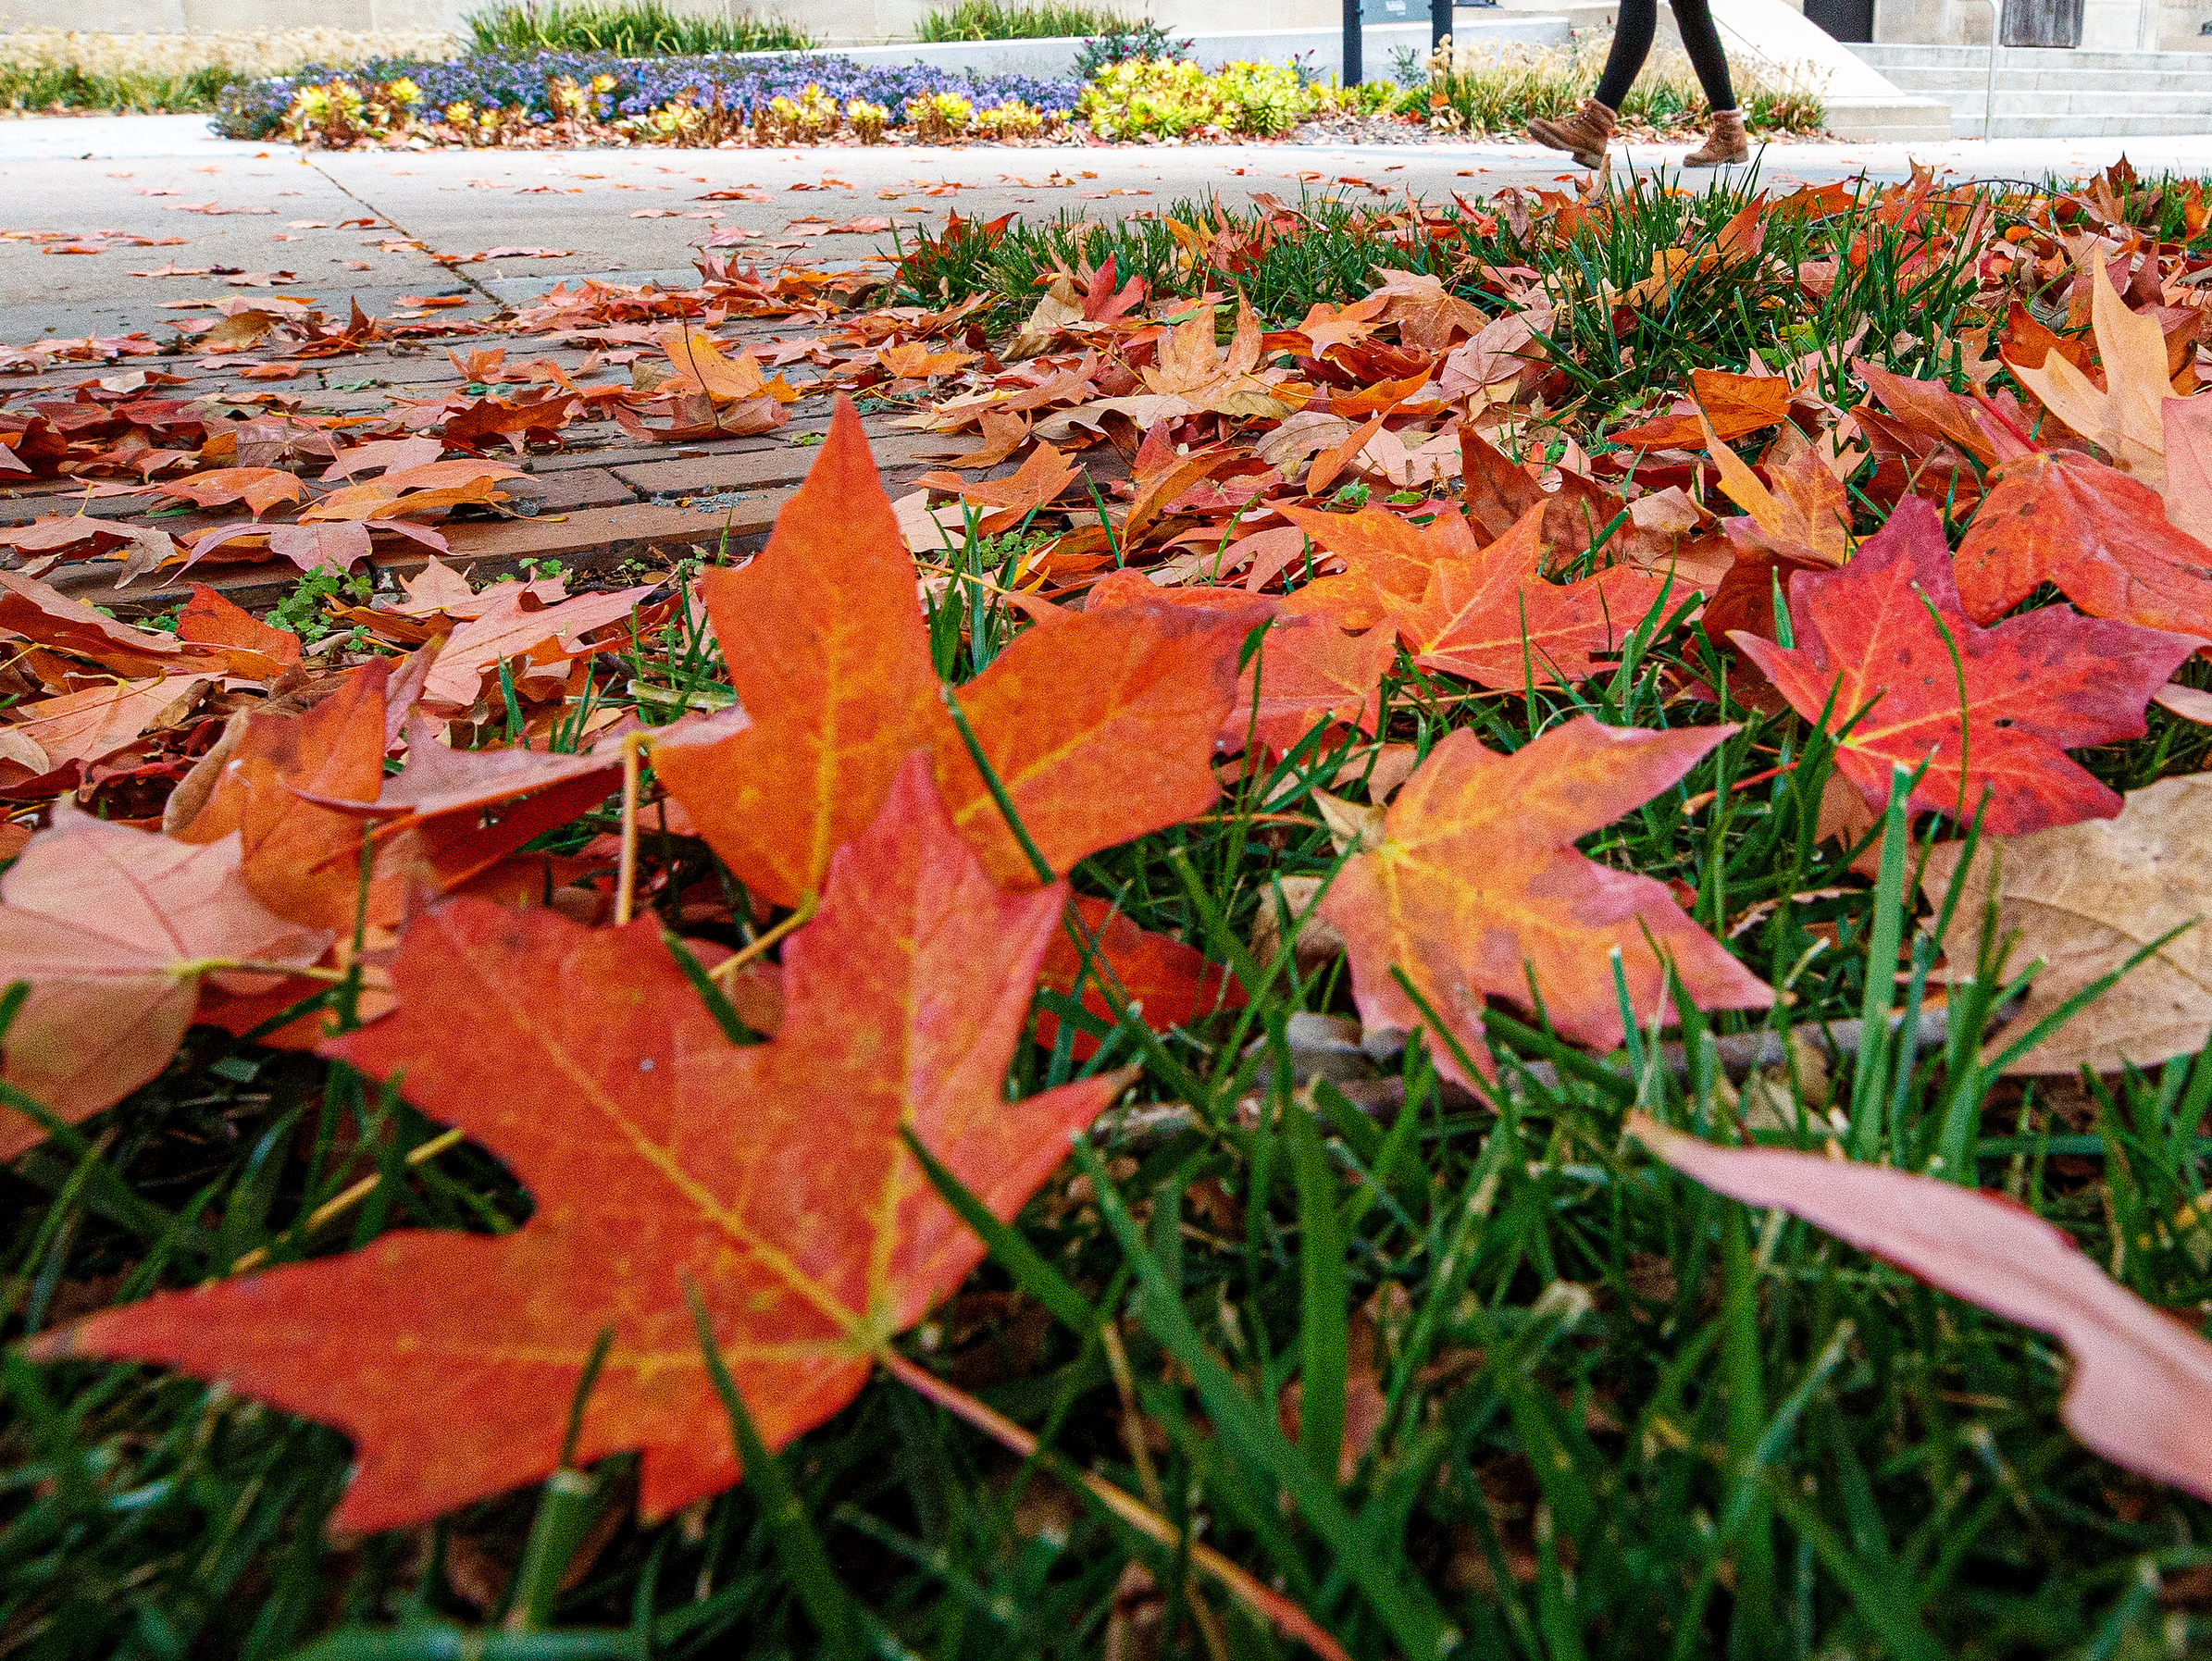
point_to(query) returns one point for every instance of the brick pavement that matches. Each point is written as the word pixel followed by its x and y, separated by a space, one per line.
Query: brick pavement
pixel 600 502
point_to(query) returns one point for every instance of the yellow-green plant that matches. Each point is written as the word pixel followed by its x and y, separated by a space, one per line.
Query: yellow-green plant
pixel 867 120
pixel 339 113
pixel 577 101
pixel 1011 119
pixel 806 119
pixel 1157 98
pixel 1369 98
pixel 940 118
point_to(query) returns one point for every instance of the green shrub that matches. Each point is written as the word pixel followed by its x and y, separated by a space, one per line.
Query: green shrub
pixel 1148 98
pixel 1118 46
pixel 1042 19
pixel 46 68
pixel 45 87
pixel 628 28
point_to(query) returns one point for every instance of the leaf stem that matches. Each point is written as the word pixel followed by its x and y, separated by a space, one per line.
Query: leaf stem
pixel 625 878
pixel 197 966
pixel 341 1203
pixel 761 943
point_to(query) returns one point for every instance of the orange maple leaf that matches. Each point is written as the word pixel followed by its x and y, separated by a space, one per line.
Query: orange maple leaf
pixel 259 488
pixel 1042 475
pixel 248 645
pixel 302 789
pixel 298 857
pixel 1189 366
pixel 698 360
pixel 1797 519
pixel 1326 328
pixel 88 725
pixel 1486 614
pixel 1734 404
pixel 522 632
pixel 1100 728
pixel 1307 671
pixel 1428 313
pixel 772 1181
pixel 38 611
pixel 1475 890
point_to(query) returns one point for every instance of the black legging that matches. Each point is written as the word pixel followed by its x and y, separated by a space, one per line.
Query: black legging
pixel 1631 45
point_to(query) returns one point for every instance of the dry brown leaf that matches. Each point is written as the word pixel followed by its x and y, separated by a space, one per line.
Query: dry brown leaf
pixel 2123 418
pixel 2086 898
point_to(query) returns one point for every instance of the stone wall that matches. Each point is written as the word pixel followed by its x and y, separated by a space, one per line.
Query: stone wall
pixel 2106 25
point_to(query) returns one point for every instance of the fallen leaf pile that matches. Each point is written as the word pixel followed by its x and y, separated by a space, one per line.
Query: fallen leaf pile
pixel 1211 546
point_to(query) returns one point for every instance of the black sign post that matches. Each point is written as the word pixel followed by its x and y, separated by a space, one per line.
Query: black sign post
pixel 1351 42
pixel 1439 23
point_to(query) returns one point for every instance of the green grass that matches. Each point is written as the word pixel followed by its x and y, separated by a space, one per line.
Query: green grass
pixel 1615 360
pixel 1624 1421
pixel 1623 1416
pixel 628 28
pixel 991 20
pixel 44 86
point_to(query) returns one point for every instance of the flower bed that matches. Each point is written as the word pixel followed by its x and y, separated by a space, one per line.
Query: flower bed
pixel 559 98
pixel 569 96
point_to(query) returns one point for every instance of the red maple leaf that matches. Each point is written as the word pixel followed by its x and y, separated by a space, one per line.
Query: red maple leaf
pixel 1995 722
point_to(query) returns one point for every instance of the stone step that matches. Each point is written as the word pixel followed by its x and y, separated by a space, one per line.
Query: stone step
pixel 2106 85
pixel 1953 84
pixel 2080 127
pixel 2049 94
pixel 2031 101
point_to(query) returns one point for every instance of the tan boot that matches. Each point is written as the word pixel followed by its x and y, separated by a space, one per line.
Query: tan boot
pixel 1724 145
pixel 1585 134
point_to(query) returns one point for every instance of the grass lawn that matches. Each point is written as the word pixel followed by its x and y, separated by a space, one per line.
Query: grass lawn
pixel 1452 1371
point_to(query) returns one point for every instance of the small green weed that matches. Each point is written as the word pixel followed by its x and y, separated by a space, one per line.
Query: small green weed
pixel 305 610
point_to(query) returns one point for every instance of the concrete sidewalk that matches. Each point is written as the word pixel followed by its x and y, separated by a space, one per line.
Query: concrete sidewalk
pixel 258 210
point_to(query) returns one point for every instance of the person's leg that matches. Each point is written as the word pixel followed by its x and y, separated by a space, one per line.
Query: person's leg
pixel 1633 30
pixel 1702 41
pixel 1585 133
pixel 1726 141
